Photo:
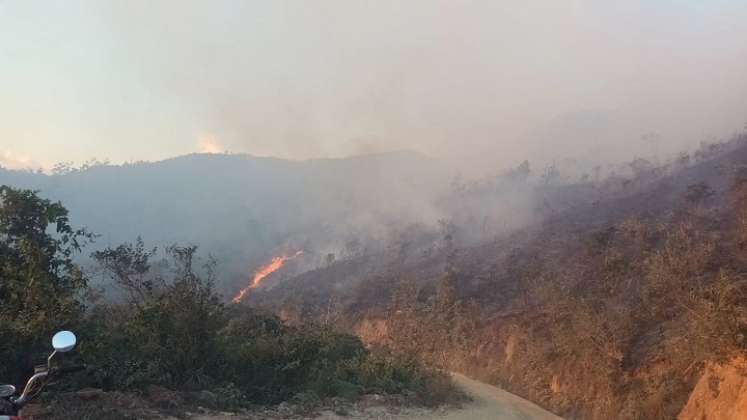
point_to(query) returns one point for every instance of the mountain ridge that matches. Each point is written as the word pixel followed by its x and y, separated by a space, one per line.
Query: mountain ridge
pixel 243 208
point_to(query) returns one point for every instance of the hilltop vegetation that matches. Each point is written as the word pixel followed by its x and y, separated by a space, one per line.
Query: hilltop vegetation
pixel 610 308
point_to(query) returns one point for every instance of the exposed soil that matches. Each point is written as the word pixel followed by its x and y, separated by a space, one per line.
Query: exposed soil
pixel 721 393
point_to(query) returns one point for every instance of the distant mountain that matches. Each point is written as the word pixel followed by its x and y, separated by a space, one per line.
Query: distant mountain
pixel 243 209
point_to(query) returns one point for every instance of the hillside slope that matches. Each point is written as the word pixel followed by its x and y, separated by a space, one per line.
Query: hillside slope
pixel 610 308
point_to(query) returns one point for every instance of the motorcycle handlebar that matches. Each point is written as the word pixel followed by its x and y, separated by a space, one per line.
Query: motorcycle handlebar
pixel 37 382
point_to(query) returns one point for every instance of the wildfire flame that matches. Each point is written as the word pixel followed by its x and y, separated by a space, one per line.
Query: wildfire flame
pixel 263 272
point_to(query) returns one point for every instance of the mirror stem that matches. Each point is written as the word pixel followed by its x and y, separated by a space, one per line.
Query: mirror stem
pixel 49 360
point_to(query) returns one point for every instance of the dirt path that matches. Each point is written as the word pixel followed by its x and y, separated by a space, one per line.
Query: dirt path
pixel 489 403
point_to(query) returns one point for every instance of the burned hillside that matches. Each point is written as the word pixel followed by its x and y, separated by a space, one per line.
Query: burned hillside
pixel 610 307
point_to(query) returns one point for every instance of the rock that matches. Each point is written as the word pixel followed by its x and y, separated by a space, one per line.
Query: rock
pixel 720 394
pixel 555 385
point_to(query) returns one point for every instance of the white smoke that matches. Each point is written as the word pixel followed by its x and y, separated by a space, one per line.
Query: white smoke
pixel 209 143
pixel 11 160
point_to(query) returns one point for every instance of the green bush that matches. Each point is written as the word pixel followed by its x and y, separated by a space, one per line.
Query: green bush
pixel 168 326
pixel 166 337
pixel 387 373
pixel 273 362
pixel 40 285
pixel 173 331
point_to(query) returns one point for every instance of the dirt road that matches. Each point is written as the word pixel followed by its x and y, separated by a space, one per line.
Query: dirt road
pixel 489 403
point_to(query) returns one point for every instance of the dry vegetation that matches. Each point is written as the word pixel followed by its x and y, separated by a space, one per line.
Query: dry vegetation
pixel 609 309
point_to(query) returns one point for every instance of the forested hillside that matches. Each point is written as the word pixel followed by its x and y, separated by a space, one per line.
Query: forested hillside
pixel 612 307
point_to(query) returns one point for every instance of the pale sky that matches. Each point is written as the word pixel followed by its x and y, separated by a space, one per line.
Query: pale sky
pixel 491 82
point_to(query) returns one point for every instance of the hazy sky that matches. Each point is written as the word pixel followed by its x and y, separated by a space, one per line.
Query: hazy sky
pixel 490 82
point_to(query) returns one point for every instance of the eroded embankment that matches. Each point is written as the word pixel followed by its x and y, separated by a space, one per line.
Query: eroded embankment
pixel 720 394
pixel 575 391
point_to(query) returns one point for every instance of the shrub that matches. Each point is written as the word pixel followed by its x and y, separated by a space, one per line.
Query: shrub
pixel 387 373
pixel 39 283
pixel 272 362
pixel 182 338
pixel 166 338
pixel 169 327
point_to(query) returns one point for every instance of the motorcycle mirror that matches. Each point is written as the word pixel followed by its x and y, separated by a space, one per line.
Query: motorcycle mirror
pixel 63 341
pixel 7 390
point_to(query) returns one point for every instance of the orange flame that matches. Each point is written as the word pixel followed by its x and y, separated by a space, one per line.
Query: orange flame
pixel 263 272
